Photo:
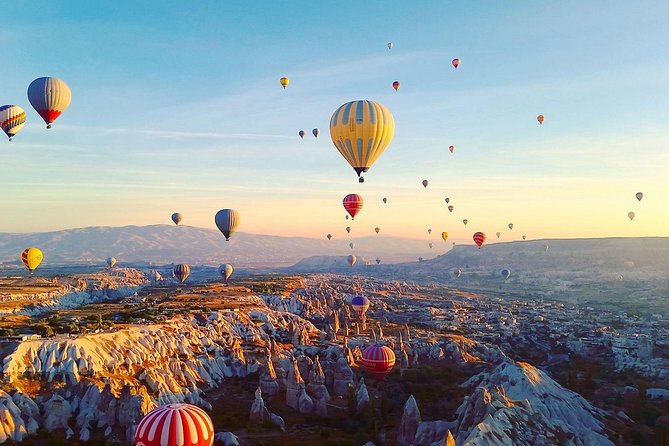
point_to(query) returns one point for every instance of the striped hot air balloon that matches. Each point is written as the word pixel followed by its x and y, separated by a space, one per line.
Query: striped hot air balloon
pixel 12 119
pixel 31 258
pixel 181 272
pixel 479 239
pixel 378 360
pixel 360 304
pixel 50 97
pixel 227 221
pixel 361 131
pixel 226 271
pixel 178 424
pixel 353 204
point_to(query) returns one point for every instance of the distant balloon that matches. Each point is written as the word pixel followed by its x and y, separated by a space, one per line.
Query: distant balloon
pixel 465 221
pixel 351 245
pixel 315 132
pixel 510 225
pixel 226 271
pixel 631 215
pixel 50 97
pixel 639 195
pixel 451 148
pixel 420 259
pixel 425 183
pixel 301 133
pixel 111 261
pixel 619 278
pixel 456 63
pixel 378 360
pixel 505 273
pixel 329 236
pixel 348 229
pixel 450 208
pixel 385 200
pixel 444 235
pixel 351 260
pixel 227 221
pixel 396 85
pixel 546 247
pixel 378 260
pixel 377 229
pixel 429 231
pixel 181 272
pixel 540 118
pixel 284 81
pixel 31 258
pixel 12 119
pixel 390 45
pixel 524 237
pixel 353 204
pixel 430 244
pixel 347 216
pixel 360 304
pixel 447 199
pixel 176 218
pixel 498 234
pixel 457 272
pixel 175 424
pixel 479 239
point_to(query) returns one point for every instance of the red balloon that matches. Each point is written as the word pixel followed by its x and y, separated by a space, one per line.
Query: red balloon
pixel 378 360
pixel 479 239
pixel 451 148
pixel 456 63
pixel 396 85
pixel 425 182
pixel 353 203
pixel 450 208
pixel 177 424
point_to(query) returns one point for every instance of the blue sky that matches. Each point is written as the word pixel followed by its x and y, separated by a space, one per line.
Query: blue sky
pixel 177 107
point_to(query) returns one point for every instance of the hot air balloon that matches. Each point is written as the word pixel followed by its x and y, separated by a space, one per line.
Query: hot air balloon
pixel 450 208
pixel 620 278
pixel 385 200
pixel 456 63
pixel 284 81
pixel 429 231
pixel 378 360
pixel 465 221
pixel 390 45
pixel 227 221
pixel 351 260
pixel 50 97
pixel 181 272
pixel 457 272
pixel 329 236
pixel 348 229
pixel 524 237
pixel 396 85
pixel 31 258
pixel 378 260
pixel 301 133
pixel 451 148
pixel 447 200
pixel 176 218
pixel 444 235
pixel 631 215
pixel 177 424
pixel 498 234
pixel 377 229
pixel 315 132
pixel 510 225
pixel 505 273
pixel 12 119
pixel 425 183
pixel 360 304
pixel 111 261
pixel 361 131
pixel 479 239
pixel 347 216
pixel 226 271
pixel 639 195
pixel 353 204
pixel 430 244
pixel 351 245
pixel 540 118
pixel 420 259
pixel 546 247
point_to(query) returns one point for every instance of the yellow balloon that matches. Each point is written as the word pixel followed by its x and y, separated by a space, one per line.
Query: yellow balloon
pixel 31 258
pixel 444 235
pixel 284 81
pixel 361 131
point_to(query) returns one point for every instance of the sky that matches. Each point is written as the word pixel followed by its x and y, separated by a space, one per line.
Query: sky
pixel 177 107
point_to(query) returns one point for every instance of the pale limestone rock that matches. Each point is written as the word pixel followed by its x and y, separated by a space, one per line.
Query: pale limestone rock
pixel 409 423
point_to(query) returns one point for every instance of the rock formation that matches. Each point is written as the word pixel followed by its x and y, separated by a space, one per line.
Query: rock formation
pixel 409 423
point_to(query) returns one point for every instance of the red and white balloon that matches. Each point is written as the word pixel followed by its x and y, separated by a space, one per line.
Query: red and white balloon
pixel 177 424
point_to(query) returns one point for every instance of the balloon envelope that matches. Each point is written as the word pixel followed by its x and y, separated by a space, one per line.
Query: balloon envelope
pixel 450 208
pixel 505 273
pixel 631 215
pixel 12 119
pixel 465 221
pixel 540 118
pixel 447 200
pixel 353 204
pixel 301 133
pixel 284 81
pixel 639 195
pixel 111 261
pixel 351 260
pixel 385 200
pixel 444 235
pixel 329 236
pixel 510 225
pixel 50 97
pixel 226 271
pixel 31 258
pixel 377 229
pixel 351 245
pixel 378 260
pixel 227 221
pixel 425 183
pixel 348 229
pixel 315 132
pixel 378 360
pixel 176 218
pixel 390 45
pixel 177 424
pixel 498 234
pixel 479 238
pixel 456 63
pixel 181 272
pixel 396 85
pixel 451 148
pixel 457 272
pixel 360 304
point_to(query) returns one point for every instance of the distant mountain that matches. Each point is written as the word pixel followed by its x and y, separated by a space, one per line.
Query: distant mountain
pixel 162 244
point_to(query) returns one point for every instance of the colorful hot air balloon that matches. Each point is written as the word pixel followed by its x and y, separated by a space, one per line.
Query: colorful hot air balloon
pixel 176 218
pixel 351 260
pixel 315 132
pixel 377 229
pixel 444 235
pixel 378 360
pixel 457 272
pixel 479 239
pixel 540 118
pixel 111 261
pixel 12 119
pixel 329 236
pixel 390 45
pixel 450 208
pixel 396 85
pixel 361 131
pixel 451 148
pixel 524 237
pixel 425 183
pixel 351 245
pixel 348 229
pixel 505 273
pixel 227 221
pixel 31 258
pixel 385 200
pixel 456 63
pixel 301 133
pixel 639 195
pixel 631 215
pixel 360 304
pixel 181 272
pixel 50 97
pixel 465 221
pixel 447 200
pixel 510 225
pixel 378 260
pixel 429 231
pixel 353 204
pixel 226 271
pixel 498 234
pixel 284 81
pixel 177 424
pixel 430 244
